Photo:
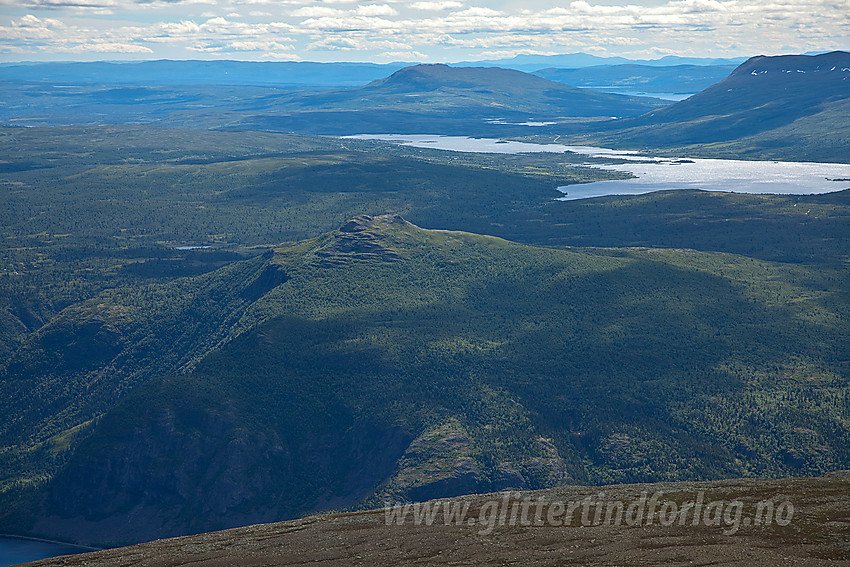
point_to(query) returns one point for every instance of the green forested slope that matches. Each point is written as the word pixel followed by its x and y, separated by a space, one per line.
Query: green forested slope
pixel 86 209
pixel 384 360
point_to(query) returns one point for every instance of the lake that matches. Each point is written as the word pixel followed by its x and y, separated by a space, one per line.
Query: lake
pixel 14 550
pixel 657 174
pixel 676 97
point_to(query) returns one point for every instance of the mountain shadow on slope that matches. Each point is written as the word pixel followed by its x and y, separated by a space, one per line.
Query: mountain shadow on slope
pixel 396 363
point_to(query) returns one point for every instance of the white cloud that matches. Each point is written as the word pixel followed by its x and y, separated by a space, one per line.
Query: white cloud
pixel 440 29
pixel 350 24
pixel 436 6
pixel 507 54
pixel 184 28
pixel 281 56
pixel 584 7
pixel 259 46
pixel 217 21
pixel 30 21
pixel 102 7
pixel 335 44
pixel 375 10
pixel 403 56
pixel 365 10
pixel 104 48
pixel 477 11
pixel 316 12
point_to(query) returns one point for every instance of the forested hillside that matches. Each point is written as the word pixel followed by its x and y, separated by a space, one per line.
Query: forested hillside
pixel 383 360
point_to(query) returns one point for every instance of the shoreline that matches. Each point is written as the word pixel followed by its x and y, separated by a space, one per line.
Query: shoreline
pixel 86 548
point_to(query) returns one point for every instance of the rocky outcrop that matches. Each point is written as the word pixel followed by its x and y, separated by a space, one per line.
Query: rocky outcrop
pixel 362 238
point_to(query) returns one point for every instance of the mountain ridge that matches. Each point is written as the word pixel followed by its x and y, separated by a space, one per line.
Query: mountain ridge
pixel 642 78
pixel 531 63
pixel 762 94
pixel 382 105
pixel 782 107
pixel 441 362
pixel 439 99
pixel 440 75
pixel 310 73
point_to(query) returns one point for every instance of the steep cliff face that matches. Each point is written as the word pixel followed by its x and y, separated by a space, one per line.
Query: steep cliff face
pixel 175 468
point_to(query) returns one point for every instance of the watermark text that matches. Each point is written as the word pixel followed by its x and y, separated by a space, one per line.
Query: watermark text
pixel 514 509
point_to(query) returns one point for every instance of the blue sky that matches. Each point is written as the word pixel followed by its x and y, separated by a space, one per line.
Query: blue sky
pixel 413 30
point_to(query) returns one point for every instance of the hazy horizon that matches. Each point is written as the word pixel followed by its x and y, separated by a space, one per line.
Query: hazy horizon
pixel 603 60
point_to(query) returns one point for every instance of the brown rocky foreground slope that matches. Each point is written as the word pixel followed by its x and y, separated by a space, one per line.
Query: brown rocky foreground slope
pixel 795 522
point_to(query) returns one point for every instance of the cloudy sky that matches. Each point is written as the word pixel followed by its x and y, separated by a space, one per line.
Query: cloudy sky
pixel 414 30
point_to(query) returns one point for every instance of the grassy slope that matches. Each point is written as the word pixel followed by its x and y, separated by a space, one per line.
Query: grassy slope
pixel 786 107
pixel 816 537
pixel 823 136
pixel 505 365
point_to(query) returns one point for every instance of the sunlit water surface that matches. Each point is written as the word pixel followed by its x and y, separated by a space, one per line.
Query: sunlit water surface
pixel 657 174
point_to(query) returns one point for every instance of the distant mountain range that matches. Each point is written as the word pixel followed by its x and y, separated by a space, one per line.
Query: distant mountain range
pixel 279 73
pixel 442 99
pixel 288 73
pixel 415 99
pixel 641 78
pixel 787 107
pixel 482 90
pixel 531 63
